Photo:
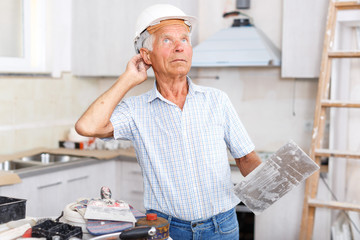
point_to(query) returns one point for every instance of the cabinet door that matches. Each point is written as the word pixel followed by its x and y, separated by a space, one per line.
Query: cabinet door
pixel 25 190
pixel 86 181
pixel 50 191
pixel 103 33
pixel 43 193
pixel 303 37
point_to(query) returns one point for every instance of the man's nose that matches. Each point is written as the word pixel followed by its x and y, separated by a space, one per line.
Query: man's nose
pixel 179 46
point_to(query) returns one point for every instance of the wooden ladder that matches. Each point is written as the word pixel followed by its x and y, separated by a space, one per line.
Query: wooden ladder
pixel 322 103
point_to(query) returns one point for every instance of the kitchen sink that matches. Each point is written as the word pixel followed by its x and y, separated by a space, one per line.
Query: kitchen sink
pixel 38 161
pixel 47 158
pixel 15 165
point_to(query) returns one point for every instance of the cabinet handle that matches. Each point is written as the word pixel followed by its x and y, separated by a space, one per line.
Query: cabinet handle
pixel 136 172
pixel 77 179
pixel 49 185
pixel 137 192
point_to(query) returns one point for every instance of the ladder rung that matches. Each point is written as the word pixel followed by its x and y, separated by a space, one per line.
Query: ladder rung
pixel 334 205
pixel 336 153
pixel 347 5
pixel 344 54
pixel 338 103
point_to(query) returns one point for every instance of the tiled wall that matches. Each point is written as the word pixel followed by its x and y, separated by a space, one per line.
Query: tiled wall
pixel 38 111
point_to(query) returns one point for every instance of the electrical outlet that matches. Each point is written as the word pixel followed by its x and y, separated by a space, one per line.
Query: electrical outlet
pixel 309 126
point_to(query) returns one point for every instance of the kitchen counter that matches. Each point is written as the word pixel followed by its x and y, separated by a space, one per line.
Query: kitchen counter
pixel 98 154
pixel 87 157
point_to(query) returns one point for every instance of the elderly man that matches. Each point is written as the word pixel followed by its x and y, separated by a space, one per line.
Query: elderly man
pixel 180 131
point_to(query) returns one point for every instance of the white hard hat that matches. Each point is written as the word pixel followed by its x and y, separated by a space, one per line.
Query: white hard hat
pixel 153 15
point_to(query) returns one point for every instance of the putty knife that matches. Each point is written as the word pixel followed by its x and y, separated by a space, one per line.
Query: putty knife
pixel 275 177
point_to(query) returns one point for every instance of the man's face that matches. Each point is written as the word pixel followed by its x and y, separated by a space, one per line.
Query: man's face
pixel 172 51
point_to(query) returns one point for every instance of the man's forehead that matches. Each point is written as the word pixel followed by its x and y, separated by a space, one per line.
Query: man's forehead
pixel 173 30
pixel 170 23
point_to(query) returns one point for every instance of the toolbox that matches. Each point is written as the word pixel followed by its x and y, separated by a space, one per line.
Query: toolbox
pixel 11 209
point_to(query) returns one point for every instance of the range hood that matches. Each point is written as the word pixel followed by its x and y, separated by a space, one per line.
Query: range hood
pixel 237 46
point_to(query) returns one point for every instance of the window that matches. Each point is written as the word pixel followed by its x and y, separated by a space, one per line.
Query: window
pixel 22 44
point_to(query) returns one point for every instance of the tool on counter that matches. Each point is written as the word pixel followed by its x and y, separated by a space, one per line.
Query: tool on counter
pixel 108 209
pixel 275 177
pixel 143 232
pixel 150 227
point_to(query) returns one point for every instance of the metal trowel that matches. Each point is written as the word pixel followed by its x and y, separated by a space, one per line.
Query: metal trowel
pixel 275 177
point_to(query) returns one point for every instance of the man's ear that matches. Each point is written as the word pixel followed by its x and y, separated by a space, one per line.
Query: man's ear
pixel 145 54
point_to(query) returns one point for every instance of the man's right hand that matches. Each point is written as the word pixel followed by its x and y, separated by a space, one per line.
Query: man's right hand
pixel 136 70
pixel 95 122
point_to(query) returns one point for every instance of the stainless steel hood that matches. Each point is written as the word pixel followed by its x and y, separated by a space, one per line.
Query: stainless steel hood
pixel 239 46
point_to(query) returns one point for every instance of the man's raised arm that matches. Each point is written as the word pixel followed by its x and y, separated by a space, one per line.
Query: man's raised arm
pixel 95 122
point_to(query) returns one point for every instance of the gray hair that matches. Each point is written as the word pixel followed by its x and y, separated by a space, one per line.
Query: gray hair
pixel 148 42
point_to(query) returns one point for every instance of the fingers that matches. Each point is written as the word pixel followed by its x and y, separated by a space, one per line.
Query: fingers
pixel 136 70
pixel 138 62
pixel 142 66
pixel 135 59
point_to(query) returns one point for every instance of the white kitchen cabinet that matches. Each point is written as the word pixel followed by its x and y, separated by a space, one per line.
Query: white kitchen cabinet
pixel 103 33
pixel 47 194
pixel 131 184
pixel 303 37
pixel 43 194
pixel 87 181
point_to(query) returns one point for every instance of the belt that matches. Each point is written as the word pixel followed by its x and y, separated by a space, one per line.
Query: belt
pixel 216 218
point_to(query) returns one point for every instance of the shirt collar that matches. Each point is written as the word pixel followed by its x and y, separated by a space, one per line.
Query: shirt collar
pixel 193 88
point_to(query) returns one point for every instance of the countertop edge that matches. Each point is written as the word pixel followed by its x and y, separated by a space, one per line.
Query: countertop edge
pixel 69 165
pixel 99 154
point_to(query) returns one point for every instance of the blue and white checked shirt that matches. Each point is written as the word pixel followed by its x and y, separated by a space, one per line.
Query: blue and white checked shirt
pixel 183 154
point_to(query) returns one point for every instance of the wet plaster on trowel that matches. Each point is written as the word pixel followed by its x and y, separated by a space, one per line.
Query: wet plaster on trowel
pixel 275 177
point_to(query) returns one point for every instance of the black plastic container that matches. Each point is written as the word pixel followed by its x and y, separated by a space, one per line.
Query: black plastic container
pixel 50 228
pixel 11 209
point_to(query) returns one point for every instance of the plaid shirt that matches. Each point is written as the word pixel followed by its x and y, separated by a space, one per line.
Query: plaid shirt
pixel 183 153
